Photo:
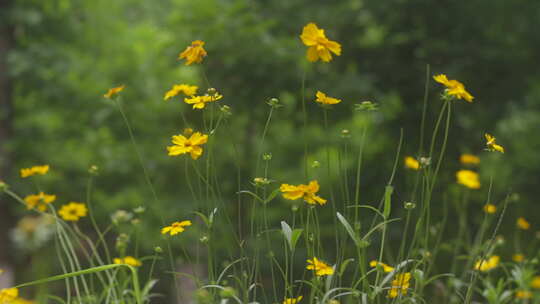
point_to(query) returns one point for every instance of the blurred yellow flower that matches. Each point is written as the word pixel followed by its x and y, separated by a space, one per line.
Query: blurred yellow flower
pixel 40 200
pixel 73 211
pixel 41 170
pixel 523 294
pixel 175 228
pixel 385 267
pixel 327 100
pixel 114 91
pixel 193 53
pixel 7 295
pixel 186 89
pixel 411 163
pixel 320 268
pixel 128 260
pixel 400 285
pixel 492 144
pixel 469 159
pixel 319 46
pixel 189 145
pixel 292 300
pixel 487 264
pixel 199 102
pixel 307 192
pixel 454 88
pixel 490 208
pixel 535 283
pixel 523 224
pixel 518 257
pixel 468 179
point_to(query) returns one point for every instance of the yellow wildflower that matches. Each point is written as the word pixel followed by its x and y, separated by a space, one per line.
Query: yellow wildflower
pixel 487 264
pixel 186 89
pixel 469 159
pixel 319 46
pixel 40 200
pixel 523 294
pixel 492 144
pixel 184 145
pixel 199 102
pixel 400 285
pixel 412 163
pixel 307 192
pixel 385 267
pixel 326 100
pixel 468 179
pixel 535 283
pixel 193 53
pixel 73 211
pixel 292 300
pixel 41 170
pixel 490 208
pixel 128 260
pixel 518 257
pixel 7 295
pixel 175 228
pixel 454 88
pixel 523 224
pixel 320 268
pixel 114 91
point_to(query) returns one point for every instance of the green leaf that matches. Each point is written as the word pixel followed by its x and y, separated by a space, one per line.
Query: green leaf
pixel 292 236
pixel 387 201
pixel 271 196
pixel 349 229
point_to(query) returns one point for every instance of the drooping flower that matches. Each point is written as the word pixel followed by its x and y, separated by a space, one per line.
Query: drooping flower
pixel 39 201
pixel 490 208
pixel 468 179
pixel 41 170
pixel 73 211
pixel 128 260
pixel 454 88
pixel 293 300
pixel 320 47
pixel 185 89
pixel 193 53
pixel 385 267
pixel 306 192
pixel 8 295
pixel 199 102
pixel 400 285
pixel 412 163
pixel 191 145
pixel 523 224
pixel 326 100
pixel 114 91
pixel 492 144
pixel 523 294
pixel 487 264
pixel 469 159
pixel 320 268
pixel 518 257
pixel 175 228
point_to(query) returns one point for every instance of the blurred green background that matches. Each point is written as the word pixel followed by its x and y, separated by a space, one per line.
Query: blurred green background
pixel 60 56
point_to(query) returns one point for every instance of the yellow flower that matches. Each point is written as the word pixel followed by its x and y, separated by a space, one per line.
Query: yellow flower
pixel 385 267
pixel 469 159
pixel 186 89
pixel 8 295
pixel 42 170
pixel 128 260
pixel 468 179
pixel 175 228
pixel 518 257
pixel 184 145
pixel 490 208
pixel 320 268
pixel 199 102
pixel 492 144
pixel 400 285
pixel 411 163
pixel 327 100
pixel 319 46
pixel 307 192
pixel 193 53
pixel 114 91
pixel 523 224
pixel 40 200
pixel 73 211
pixel 535 283
pixel 523 294
pixel 292 300
pixel 454 88
pixel 487 264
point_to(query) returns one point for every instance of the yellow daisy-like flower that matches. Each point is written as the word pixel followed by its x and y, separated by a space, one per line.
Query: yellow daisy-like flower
pixel 128 260
pixel 193 53
pixel 385 267
pixel 306 192
pixel 175 228
pixel 523 294
pixel 412 163
pixel 523 224
pixel 41 170
pixel 492 144
pixel 320 47
pixel 535 283
pixel 293 300
pixel 189 145
pixel 487 264
pixel 400 285
pixel 39 201
pixel 326 100
pixel 518 258
pixel 469 159
pixel 320 268
pixel 468 179
pixel 73 211
pixel 199 102
pixel 490 208
pixel 186 89
pixel 8 295
pixel 454 88
pixel 114 91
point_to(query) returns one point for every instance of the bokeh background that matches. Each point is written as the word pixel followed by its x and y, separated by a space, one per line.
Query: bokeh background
pixel 58 57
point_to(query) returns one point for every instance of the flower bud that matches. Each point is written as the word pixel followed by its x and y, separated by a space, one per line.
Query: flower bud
pixel 211 91
pixel 267 156
pixel 93 170
pixel 409 205
pixel 3 186
pixel 158 250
